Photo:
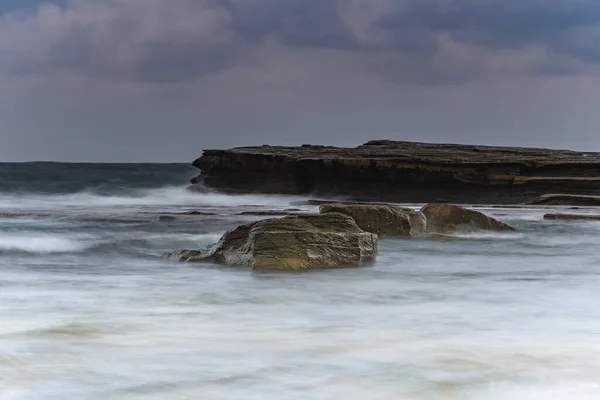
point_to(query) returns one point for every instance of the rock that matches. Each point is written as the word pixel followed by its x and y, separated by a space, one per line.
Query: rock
pixel 291 243
pixel 572 217
pixel 188 255
pixel 174 216
pixel 166 218
pixel 449 218
pixel 382 219
pixel 388 171
pixel 197 213
pixel 566 200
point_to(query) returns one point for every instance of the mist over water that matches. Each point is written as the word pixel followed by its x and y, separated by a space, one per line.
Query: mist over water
pixel 89 309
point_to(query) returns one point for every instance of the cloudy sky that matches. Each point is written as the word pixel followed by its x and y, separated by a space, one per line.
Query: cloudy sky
pixel 159 80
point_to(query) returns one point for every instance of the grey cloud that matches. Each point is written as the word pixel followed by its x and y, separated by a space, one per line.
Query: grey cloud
pixel 421 41
pixel 314 23
pixel 140 40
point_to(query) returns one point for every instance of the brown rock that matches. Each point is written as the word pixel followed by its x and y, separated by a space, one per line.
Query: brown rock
pixel 291 243
pixel 382 219
pixel 449 218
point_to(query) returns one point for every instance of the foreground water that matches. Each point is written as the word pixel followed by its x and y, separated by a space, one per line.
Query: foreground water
pixel 89 310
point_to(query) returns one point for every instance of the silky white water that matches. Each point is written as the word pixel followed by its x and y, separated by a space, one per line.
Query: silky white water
pixel 89 309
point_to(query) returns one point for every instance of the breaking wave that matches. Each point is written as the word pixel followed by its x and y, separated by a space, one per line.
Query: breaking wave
pixel 166 196
pixel 44 243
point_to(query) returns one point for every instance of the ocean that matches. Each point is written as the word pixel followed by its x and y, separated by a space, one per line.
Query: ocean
pixel 90 310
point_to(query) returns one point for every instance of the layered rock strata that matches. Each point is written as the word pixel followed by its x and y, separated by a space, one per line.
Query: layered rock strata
pixel 403 172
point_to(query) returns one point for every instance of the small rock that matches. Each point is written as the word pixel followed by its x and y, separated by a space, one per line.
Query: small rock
pixel 197 213
pixel 449 218
pixel 187 255
pixel 382 219
pixel 166 218
pixel 572 217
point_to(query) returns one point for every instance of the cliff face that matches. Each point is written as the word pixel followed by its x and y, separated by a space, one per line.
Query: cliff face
pixel 403 172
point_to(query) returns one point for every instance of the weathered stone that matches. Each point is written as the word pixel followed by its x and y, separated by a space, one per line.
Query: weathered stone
pixel 450 218
pixel 572 217
pixel 382 219
pixel 291 243
pixel 403 172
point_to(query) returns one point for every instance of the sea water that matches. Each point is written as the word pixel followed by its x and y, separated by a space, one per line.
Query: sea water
pixel 90 310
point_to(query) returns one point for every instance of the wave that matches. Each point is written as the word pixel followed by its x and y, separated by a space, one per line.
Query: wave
pixel 491 235
pixel 166 196
pixel 44 243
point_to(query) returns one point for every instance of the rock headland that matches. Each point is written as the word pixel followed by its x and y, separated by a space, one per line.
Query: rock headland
pixel 391 171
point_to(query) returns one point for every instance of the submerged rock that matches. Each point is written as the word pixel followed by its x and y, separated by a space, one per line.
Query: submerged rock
pixel 449 218
pixel 166 218
pixel 572 217
pixel 291 243
pixel 188 255
pixel 382 219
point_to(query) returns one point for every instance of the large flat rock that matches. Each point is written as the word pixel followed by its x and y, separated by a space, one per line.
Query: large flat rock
pixel 403 172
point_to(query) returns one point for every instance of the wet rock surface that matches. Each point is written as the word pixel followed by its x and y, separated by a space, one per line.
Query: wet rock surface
pixel 403 172
pixel 290 243
pixel 450 219
pixel 382 219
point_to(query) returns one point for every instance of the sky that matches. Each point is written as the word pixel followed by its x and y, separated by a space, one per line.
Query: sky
pixel 159 81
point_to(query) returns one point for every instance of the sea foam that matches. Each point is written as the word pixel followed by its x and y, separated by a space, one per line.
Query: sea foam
pixel 167 196
pixel 43 243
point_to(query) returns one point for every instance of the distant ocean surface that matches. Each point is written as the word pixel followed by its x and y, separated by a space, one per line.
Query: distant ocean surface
pixel 90 310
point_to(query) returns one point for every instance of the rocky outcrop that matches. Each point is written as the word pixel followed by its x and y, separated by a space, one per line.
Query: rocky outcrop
pixel 403 172
pixel 449 219
pixel 382 219
pixel 572 217
pixel 566 200
pixel 291 243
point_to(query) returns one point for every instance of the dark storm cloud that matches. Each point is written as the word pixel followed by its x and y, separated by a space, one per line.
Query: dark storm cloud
pixel 406 40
